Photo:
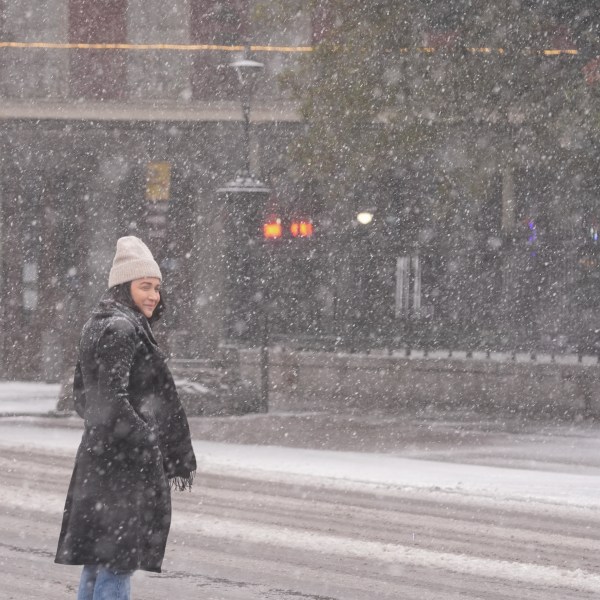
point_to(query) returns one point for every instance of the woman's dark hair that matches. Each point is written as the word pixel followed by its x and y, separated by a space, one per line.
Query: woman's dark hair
pixel 122 293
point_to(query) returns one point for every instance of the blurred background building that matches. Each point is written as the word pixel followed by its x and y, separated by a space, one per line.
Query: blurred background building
pixel 483 234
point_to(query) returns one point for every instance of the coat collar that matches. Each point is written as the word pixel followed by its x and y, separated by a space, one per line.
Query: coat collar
pixel 109 307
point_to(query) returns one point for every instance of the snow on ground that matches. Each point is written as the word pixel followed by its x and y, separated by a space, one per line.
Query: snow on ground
pixel 337 468
pixel 26 397
pixel 395 471
pixel 353 468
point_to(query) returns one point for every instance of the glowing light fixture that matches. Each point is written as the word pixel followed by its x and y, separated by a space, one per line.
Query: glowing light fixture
pixel 272 229
pixel 533 236
pixel 301 229
pixel 365 217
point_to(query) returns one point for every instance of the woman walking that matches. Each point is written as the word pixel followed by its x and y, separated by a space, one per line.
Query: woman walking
pixel 136 443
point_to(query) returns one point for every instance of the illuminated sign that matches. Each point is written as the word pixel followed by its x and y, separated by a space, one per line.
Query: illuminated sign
pixel 158 181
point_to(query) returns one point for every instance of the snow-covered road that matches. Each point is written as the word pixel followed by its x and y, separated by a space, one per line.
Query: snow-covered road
pixel 279 523
pixel 353 470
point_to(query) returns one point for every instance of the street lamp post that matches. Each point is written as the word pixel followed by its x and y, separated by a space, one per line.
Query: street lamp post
pixel 244 199
pixel 247 72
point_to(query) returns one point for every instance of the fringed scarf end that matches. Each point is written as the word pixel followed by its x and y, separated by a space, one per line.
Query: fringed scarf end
pixel 182 483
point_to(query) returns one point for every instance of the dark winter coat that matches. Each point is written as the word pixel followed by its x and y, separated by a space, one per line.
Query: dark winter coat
pixel 135 444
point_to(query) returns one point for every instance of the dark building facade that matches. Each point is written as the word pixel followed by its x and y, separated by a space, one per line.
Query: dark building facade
pixel 98 143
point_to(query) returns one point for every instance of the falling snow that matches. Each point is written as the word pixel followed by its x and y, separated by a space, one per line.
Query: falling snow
pixel 378 225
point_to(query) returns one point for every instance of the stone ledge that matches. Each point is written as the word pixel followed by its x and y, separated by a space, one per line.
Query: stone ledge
pixel 146 111
pixel 308 381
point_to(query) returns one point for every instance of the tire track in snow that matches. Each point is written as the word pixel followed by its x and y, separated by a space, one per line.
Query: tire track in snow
pixel 304 540
pixel 345 532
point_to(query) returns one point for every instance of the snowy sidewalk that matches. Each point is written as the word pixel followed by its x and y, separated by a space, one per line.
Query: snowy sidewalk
pixel 548 463
pixel 388 471
pixel 353 469
pixel 27 397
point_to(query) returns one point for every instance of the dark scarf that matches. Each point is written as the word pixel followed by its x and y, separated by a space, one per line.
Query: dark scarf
pixel 174 433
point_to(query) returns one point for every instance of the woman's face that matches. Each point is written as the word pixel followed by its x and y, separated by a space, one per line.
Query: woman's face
pixel 146 294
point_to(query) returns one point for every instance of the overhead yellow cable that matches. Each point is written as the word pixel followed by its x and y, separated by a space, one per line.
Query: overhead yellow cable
pixel 240 48
pixel 176 47
pixel 558 52
pixel 281 48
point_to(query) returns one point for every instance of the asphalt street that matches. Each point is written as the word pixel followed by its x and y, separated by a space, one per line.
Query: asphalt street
pixel 246 536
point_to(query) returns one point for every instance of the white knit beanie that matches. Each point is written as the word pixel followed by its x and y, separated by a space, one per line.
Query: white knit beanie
pixel 133 260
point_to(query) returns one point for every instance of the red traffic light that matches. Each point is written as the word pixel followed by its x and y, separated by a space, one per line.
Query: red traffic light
pixel 272 229
pixel 301 229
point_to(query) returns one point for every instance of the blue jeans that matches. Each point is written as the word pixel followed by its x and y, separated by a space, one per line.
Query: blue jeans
pixel 99 583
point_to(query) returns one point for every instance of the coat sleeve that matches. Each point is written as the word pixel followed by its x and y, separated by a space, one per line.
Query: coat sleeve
pixel 79 399
pixel 115 355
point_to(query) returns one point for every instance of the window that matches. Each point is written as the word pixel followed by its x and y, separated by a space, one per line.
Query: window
pixel 98 74
pixel 220 23
pixel 30 291
pixel 323 20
